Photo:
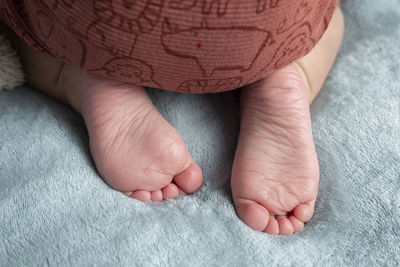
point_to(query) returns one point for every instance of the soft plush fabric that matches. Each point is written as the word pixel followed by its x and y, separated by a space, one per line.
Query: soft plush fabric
pixel 55 209
pixel 179 45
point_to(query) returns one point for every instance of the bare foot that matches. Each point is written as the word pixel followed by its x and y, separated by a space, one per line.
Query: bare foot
pixel 135 150
pixel 275 173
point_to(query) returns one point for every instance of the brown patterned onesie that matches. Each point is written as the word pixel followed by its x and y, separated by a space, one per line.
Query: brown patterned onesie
pixel 192 46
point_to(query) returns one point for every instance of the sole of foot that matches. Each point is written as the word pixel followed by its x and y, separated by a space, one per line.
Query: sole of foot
pixel 275 173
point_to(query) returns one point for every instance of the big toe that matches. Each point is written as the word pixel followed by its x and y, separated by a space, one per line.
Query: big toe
pixel 252 214
pixel 190 179
pixel 304 212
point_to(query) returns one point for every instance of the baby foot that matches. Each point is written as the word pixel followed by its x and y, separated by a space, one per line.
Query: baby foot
pixel 135 149
pixel 275 173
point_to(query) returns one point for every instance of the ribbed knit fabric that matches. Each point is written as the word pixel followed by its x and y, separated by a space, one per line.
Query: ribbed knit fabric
pixel 191 46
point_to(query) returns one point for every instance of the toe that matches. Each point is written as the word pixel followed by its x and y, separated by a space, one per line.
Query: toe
pixel 297 224
pixel 285 226
pixel 156 195
pixel 252 214
pixel 190 179
pixel 272 227
pixel 304 212
pixel 142 195
pixel 170 191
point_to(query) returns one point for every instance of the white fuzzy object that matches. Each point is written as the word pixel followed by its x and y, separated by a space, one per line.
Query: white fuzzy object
pixel 11 73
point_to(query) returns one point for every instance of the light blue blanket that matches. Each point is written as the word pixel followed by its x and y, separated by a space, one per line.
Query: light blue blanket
pixel 56 210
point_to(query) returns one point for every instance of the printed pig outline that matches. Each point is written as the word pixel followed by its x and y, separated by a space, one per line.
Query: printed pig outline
pixel 212 59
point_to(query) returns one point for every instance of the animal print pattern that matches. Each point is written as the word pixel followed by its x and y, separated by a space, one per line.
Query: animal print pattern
pixel 190 46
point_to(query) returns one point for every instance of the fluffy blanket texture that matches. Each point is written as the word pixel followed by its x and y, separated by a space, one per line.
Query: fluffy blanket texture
pixel 56 210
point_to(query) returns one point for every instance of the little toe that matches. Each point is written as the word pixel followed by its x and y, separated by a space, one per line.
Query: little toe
pixel 252 214
pixel 304 212
pixel 297 224
pixel 170 191
pixel 190 179
pixel 272 227
pixel 156 195
pixel 285 226
pixel 142 195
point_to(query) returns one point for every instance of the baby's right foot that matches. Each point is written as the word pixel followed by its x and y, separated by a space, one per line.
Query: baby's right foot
pixel 135 149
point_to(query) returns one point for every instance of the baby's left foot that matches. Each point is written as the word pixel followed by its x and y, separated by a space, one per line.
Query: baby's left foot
pixel 275 173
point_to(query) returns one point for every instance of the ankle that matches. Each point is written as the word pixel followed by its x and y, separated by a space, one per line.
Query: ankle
pixel 69 85
pixel 316 65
